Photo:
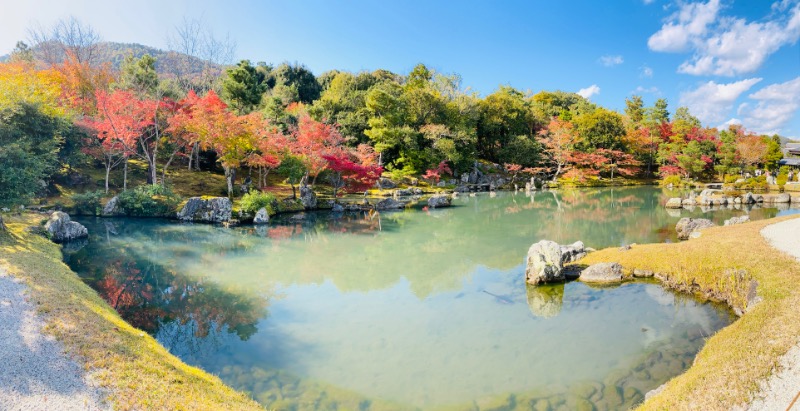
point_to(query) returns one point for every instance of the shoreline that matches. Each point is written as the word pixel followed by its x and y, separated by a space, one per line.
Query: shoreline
pixel 675 390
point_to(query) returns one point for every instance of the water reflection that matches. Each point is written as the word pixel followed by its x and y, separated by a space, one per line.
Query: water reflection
pixel 407 310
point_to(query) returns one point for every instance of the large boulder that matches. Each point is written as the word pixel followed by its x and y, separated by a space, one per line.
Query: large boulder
pixel 439 201
pixel 112 208
pixel 61 228
pixel 411 191
pixel 602 273
pixel 748 198
pixel 674 203
pixel 737 220
pixel 573 252
pixel 262 216
pixel 390 204
pixel 782 198
pixel 686 226
pixel 386 184
pixel 543 263
pixel 308 197
pixel 206 210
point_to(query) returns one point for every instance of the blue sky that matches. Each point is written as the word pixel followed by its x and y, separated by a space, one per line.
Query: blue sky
pixel 728 61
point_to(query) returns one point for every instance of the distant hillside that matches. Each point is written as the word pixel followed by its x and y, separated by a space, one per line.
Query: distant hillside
pixel 167 62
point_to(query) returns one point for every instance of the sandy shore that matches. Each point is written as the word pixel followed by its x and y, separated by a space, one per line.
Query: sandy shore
pixel 778 392
pixel 36 374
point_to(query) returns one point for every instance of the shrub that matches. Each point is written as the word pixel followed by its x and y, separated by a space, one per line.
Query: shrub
pixel 674 179
pixel 87 203
pixel 255 200
pixel 731 178
pixel 149 201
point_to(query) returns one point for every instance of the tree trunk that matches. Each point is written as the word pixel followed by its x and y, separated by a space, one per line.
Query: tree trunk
pixel 196 156
pixel 108 171
pixel 2 225
pixel 191 156
pixel 294 194
pixel 125 175
pixel 229 180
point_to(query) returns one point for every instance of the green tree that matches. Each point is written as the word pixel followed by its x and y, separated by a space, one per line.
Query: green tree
pixel 600 129
pixel 658 113
pixel 294 169
pixel 298 78
pixel 774 152
pixel 30 141
pixel 139 75
pixel 243 86
pixel 634 109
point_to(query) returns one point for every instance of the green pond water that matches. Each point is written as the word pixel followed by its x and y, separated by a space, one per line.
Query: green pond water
pixel 418 309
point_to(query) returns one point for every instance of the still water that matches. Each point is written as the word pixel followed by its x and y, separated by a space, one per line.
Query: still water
pixel 418 309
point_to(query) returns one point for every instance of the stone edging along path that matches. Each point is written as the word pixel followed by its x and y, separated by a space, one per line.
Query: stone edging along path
pixel 36 374
pixel 782 389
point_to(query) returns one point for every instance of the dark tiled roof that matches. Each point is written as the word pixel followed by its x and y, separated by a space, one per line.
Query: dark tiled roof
pixel 790 162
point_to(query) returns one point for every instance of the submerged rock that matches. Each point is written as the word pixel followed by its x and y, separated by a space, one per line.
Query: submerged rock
pixel 543 263
pixel 61 228
pixel 602 273
pixel 262 216
pixel 686 226
pixel 210 210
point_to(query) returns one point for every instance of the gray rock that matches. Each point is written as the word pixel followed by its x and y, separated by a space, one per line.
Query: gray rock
pixel 572 252
pixel 262 216
pixel 602 273
pixel 308 197
pixel 439 201
pixel 782 198
pixel 390 204
pixel 112 207
pixel 737 220
pixel 689 202
pixel 674 203
pixel 211 210
pixel 640 273
pixel 408 192
pixel 337 208
pixel 748 198
pixel 543 263
pixel 61 228
pixel 737 200
pixel 686 226
pixel 386 184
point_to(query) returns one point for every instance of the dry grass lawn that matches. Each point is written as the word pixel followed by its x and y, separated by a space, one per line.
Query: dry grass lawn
pixel 134 368
pixel 728 369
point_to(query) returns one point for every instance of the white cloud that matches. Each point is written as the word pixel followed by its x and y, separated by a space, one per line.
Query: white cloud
pixel 727 124
pixel 610 61
pixel 725 46
pixel 776 105
pixel 647 90
pixel 711 102
pixel 684 26
pixel 589 91
pixel 646 72
pixel 648 2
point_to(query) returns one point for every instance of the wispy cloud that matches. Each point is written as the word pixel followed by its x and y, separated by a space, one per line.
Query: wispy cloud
pixel 611 61
pixel 645 71
pixel 712 102
pixel 589 91
pixel 647 90
pixel 725 46
pixel 775 106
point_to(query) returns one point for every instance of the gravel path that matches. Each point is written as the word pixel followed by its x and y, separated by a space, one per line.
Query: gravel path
pixel 35 373
pixel 778 392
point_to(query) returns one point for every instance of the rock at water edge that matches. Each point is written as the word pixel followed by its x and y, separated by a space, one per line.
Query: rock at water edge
pixel 543 263
pixel 686 226
pixel 61 228
pixel 439 201
pixel 262 216
pixel 602 273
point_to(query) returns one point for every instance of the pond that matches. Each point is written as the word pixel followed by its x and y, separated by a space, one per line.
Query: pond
pixel 418 309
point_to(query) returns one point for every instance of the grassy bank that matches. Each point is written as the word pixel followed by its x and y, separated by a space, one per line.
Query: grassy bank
pixel 137 371
pixel 728 369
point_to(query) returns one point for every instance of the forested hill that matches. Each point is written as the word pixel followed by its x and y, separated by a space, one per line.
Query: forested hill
pixel 167 62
